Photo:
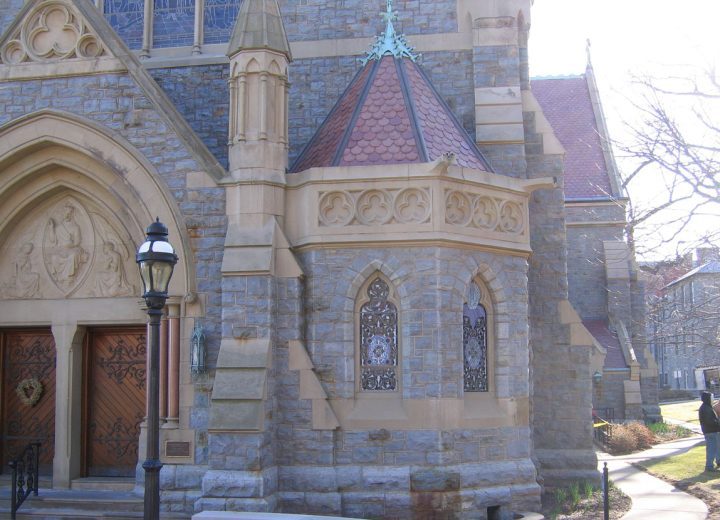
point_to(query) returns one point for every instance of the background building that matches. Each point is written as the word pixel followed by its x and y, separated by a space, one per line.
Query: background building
pixel 684 321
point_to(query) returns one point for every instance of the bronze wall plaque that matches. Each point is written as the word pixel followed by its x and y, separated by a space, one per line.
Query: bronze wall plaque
pixel 177 449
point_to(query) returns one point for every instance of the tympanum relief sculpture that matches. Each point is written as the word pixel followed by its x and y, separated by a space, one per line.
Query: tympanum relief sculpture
pixel 67 249
pixel 25 281
pixel 65 257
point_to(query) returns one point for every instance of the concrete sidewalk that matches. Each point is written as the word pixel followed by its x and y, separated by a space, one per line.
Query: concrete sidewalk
pixel 651 497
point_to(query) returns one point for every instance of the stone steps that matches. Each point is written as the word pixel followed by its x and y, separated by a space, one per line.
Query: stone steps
pixel 110 499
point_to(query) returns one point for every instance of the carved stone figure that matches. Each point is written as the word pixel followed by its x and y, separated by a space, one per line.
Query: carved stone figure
pixel 26 282
pixel 111 278
pixel 66 254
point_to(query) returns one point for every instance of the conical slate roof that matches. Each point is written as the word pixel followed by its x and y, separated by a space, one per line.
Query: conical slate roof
pixel 389 114
pixel 259 26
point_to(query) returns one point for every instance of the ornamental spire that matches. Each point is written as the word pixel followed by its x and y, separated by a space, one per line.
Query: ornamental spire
pixel 390 42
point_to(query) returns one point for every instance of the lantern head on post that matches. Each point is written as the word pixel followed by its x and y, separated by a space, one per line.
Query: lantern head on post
pixel 597 377
pixel 156 259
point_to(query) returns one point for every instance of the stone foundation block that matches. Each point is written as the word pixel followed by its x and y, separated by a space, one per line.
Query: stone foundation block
pixel 264 505
pixel 364 505
pixel 497 473
pixel 306 478
pixel 227 484
pixel 209 504
pixel 434 480
pixel 386 478
pixel 189 477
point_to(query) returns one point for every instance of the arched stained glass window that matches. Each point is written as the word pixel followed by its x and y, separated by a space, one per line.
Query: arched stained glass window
pixel 475 342
pixel 378 339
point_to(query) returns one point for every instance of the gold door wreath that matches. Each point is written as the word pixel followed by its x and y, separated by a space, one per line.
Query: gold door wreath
pixel 29 391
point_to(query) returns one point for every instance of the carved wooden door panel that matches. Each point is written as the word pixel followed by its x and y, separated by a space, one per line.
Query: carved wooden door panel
pixel 114 400
pixel 28 394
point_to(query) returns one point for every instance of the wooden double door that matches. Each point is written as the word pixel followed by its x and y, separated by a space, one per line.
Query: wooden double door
pixel 113 397
pixel 27 359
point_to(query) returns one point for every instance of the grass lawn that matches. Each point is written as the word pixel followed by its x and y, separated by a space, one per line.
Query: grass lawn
pixel 686 471
pixel 686 466
pixel 686 411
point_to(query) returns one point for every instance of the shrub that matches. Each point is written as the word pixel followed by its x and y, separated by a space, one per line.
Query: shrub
pixel 669 432
pixel 622 439
pixel 659 427
pixel 645 438
pixel 630 437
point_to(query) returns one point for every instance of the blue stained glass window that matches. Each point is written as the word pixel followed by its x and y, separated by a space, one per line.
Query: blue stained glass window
pixel 173 23
pixel 220 18
pixel 126 17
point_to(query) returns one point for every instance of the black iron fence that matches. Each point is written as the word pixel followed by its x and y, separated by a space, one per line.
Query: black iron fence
pixel 24 476
pixel 601 425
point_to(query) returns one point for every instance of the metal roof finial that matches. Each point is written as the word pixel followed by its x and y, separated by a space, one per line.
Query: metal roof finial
pixel 390 42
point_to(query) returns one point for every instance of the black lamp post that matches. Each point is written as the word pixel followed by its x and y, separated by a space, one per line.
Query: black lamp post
pixel 156 259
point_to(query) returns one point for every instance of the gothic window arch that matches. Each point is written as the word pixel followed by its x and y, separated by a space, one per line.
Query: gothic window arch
pixel 477 327
pixel 379 350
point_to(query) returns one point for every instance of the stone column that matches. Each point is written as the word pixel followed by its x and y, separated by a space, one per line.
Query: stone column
pixel 560 361
pixel 163 370
pixel 68 402
pixel 173 367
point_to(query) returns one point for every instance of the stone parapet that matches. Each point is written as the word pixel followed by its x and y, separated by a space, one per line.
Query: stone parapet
pixel 408 203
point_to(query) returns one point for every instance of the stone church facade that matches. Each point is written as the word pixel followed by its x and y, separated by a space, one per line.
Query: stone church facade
pixel 376 253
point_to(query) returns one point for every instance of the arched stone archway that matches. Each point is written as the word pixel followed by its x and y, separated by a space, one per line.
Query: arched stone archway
pixel 75 199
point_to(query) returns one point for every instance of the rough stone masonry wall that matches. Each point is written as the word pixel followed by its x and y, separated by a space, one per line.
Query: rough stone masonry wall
pixel 201 94
pixel 562 398
pixel 109 100
pixel 307 20
pixel 242 472
pixel 497 66
pixel 586 257
pixel 383 473
pixel 610 393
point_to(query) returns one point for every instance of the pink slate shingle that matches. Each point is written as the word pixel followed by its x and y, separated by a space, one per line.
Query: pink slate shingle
pixel 390 114
pixel 568 107
pixel 609 340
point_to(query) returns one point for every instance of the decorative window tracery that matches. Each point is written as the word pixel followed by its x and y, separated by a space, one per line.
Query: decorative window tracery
pixel 475 342
pixel 378 339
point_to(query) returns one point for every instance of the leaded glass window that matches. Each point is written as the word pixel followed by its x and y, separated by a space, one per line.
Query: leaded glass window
pixel 378 339
pixel 126 17
pixel 475 343
pixel 173 23
pixel 219 19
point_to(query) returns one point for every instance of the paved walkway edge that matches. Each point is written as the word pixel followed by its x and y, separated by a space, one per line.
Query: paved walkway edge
pixel 653 498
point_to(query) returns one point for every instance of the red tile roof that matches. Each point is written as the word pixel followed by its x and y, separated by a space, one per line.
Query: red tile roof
pixel 390 114
pixel 568 107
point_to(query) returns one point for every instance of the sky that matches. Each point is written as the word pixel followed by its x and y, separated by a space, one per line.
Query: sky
pixel 629 38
